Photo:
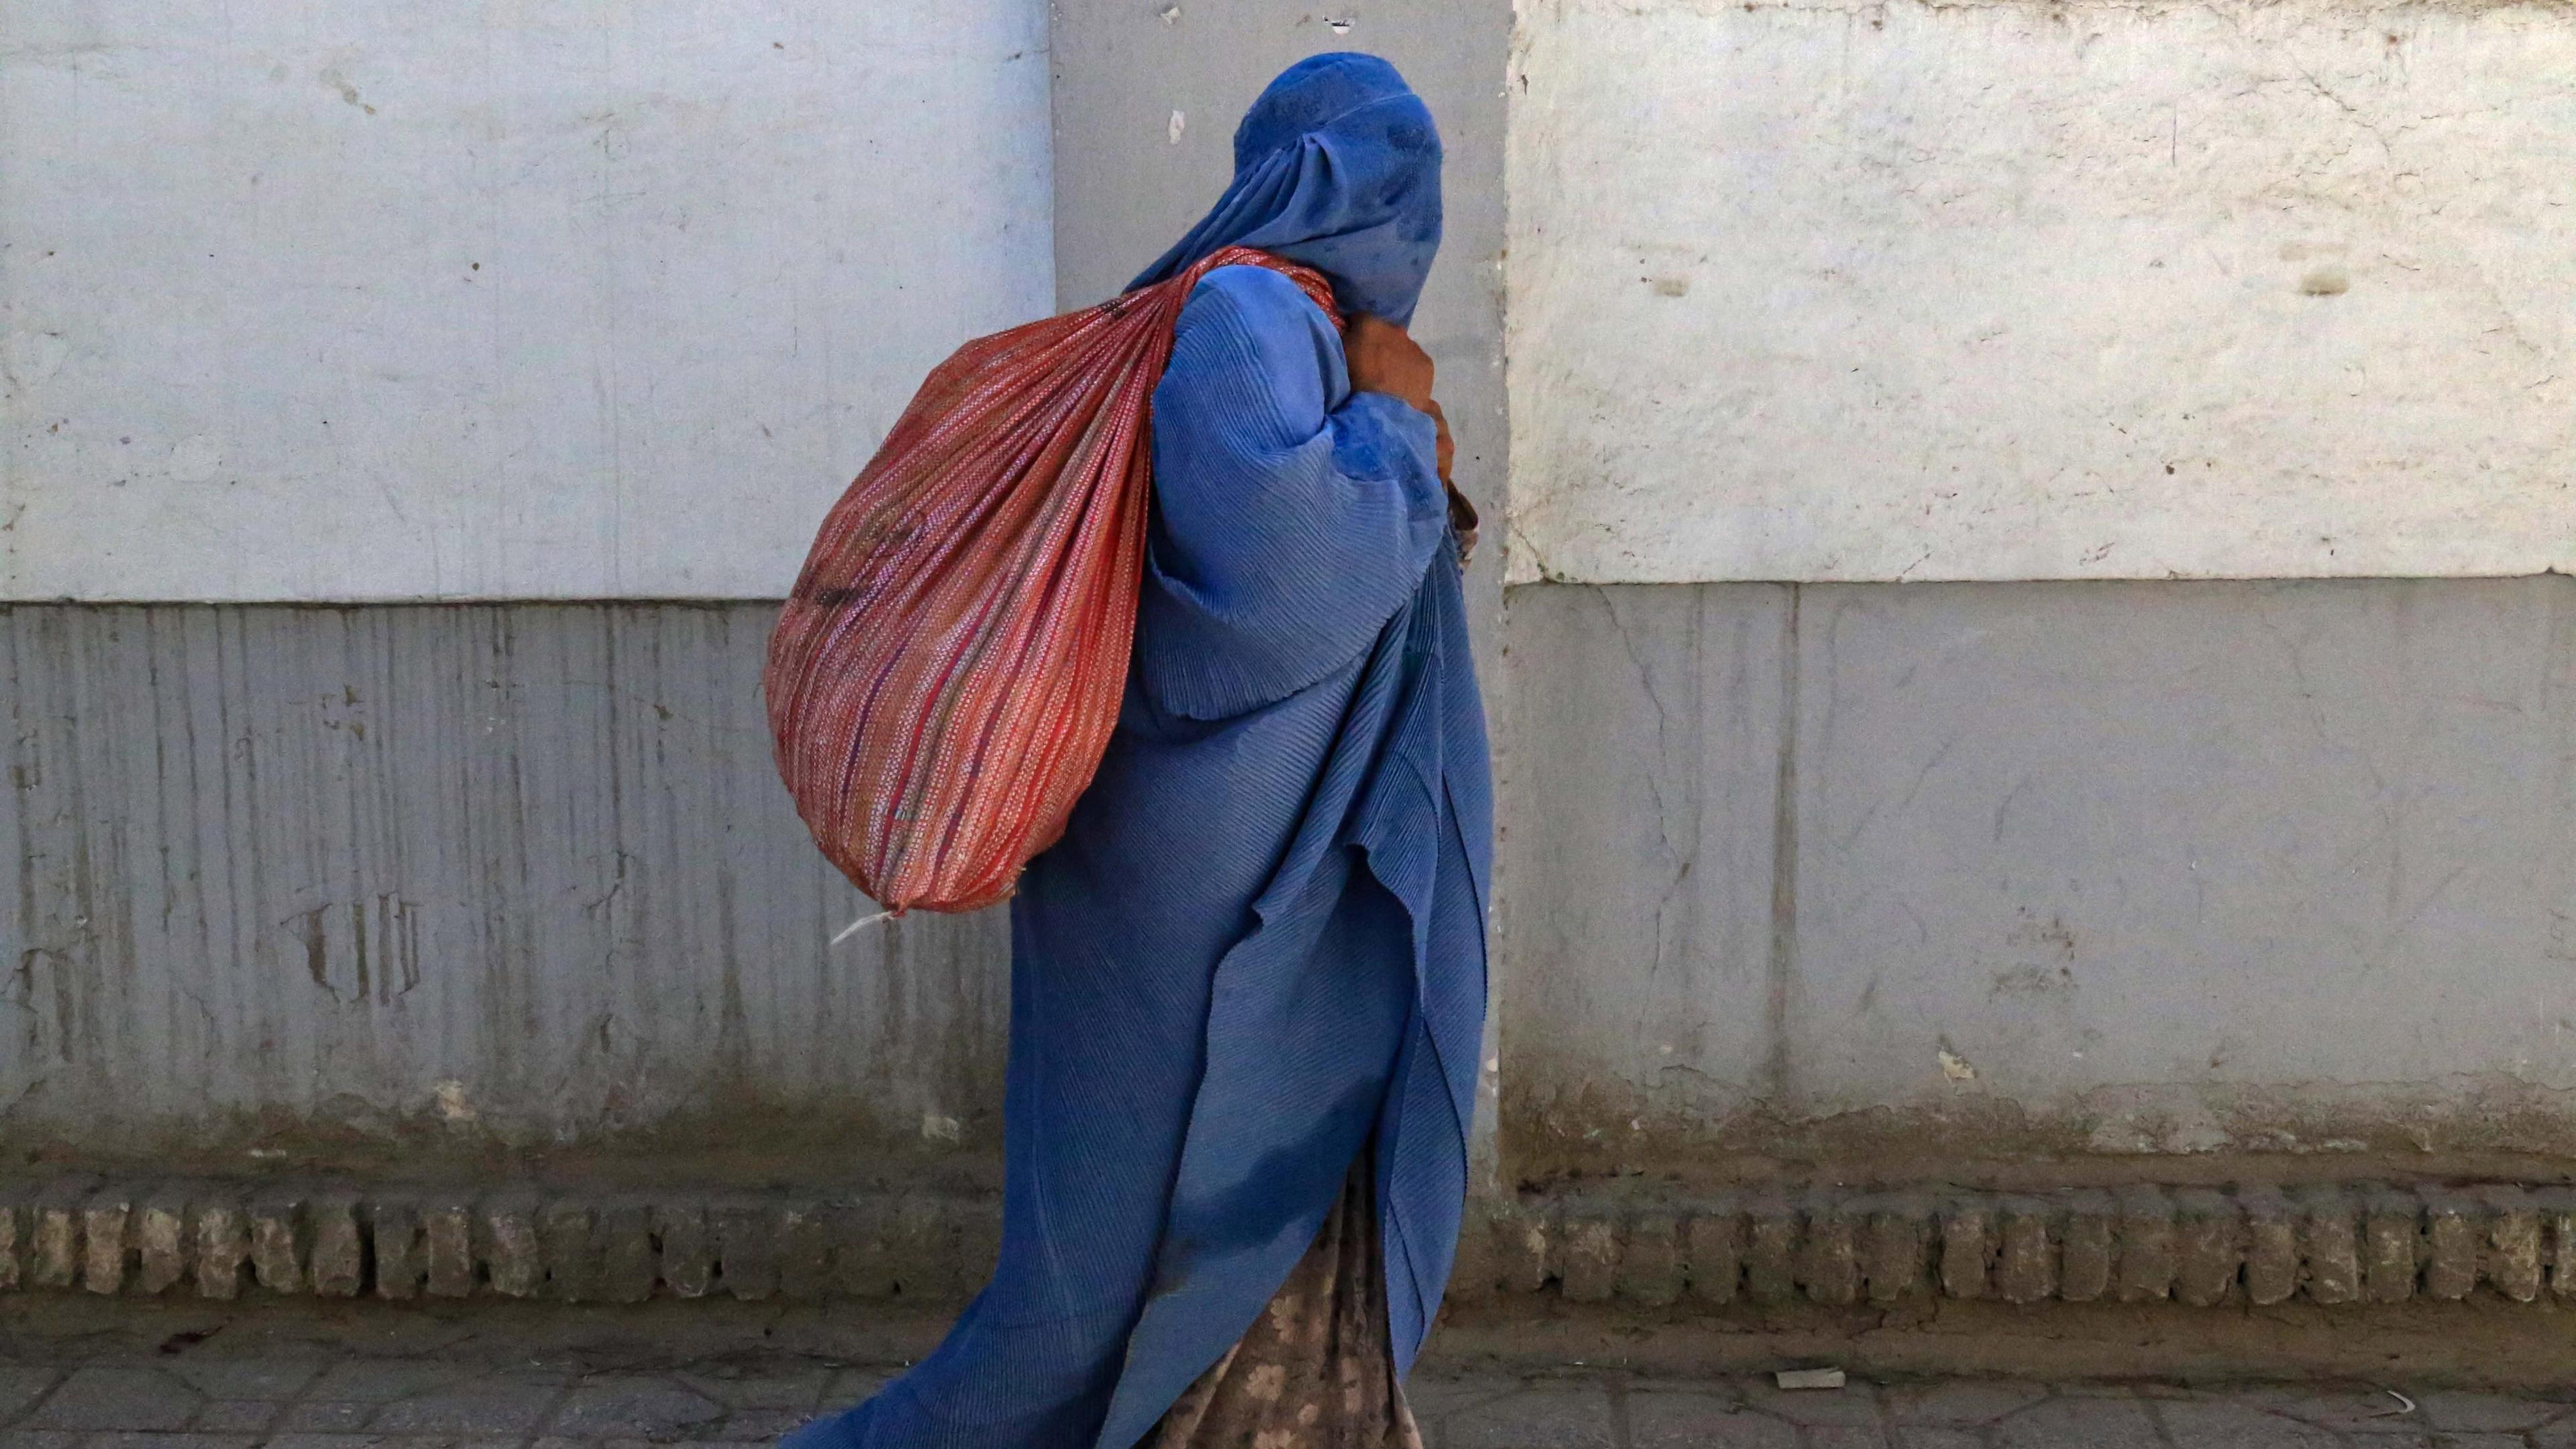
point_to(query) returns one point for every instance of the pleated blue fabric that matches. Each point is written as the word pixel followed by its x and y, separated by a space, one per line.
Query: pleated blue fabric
pixel 1259 950
pixel 1337 165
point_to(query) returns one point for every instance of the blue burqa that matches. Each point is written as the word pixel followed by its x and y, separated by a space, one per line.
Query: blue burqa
pixel 1259 951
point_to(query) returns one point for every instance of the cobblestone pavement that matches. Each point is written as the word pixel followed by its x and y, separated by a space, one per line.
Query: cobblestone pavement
pixel 313 1398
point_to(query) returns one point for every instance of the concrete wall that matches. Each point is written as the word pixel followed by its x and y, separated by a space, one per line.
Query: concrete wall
pixel 412 885
pixel 2032 881
pixel 1813 291
pixel 1876 879
pixel 1800 878
pixel 562 300
pixel 404 885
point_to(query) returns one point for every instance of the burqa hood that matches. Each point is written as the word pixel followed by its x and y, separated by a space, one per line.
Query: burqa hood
pixel 1337 165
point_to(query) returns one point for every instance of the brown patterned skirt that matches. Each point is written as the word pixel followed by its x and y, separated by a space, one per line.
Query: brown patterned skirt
pixel 1316 1370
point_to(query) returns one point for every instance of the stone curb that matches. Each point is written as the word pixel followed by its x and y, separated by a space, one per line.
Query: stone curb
pixel 2345 1245
pixel 2201 1247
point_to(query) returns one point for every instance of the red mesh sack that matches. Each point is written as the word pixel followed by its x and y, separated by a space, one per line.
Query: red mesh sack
pixel 946 674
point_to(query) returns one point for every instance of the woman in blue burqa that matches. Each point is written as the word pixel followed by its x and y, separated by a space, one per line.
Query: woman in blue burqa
pixel 1248 985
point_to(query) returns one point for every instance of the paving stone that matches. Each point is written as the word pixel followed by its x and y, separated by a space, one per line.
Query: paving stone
pixel 22 1385
pixel 1771 1251
pixel 277 1240
pixel 17 1225
pixel 929 1249
pixel 447 1248
pixel 2271 1247
pixel 2479 1441
pixel 2086 1254
pixel 2346 1409
pixel 852 1386
pixel 2331 1245
pixel 2025 1254
pixel 804 1250
pixel 220 1249
pixel 1961 1401
pixel 2453 1239
pixel 760 1425
pixel 2150 1247
pixel 1829 1258
pixel 107 1239
pixel 1474 1273
pixel 1894 1260
pixel 1714 1244
pixel 339 1441
pixel 339 1266
pixel 1650 1266
pixel 38 1439
pixel 1434 1399
pixel 1590 1263
pixel 688 1250
pixel 377 1380
pixel 647 1406
pixel 1534 1418
pixel 328 1416
pixel 628 1265
pixel 237 1416
pixel 2456 1412
pixel 798 1390
pixel 269 1377
pixel 506 1234
pixel 161 1240
pixel 1854 1404
pixel 2392 1229
pixel 867 1259
pixel 2556 1207
pixel 1665 1420
pixel 2207 1424
pixel 170 1441
pixel 394 1234
pixel 1521 1233
pixel 746 1238
pixel 1969 1241
pixel 118 1398
pixel 55 1257
pixel 564 1233
pixel 477 1406
pixel 2210 1246
pixel 1933 1437
pixel 1847 1436
pixel 2071 1422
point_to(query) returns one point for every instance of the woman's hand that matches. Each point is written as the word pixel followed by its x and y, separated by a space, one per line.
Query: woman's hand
pixel 1462 514
pixel 1383 359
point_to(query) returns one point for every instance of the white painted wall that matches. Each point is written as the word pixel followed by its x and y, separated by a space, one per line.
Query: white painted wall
pixel 1824 291
pixel 309 299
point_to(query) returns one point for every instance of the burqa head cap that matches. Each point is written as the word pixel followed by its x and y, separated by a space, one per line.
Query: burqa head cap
pixel 1337 165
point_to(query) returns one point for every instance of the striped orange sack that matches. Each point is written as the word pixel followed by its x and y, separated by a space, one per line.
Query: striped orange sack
pixel 946 674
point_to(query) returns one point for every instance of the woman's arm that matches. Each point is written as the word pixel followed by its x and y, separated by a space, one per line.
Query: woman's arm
pixel 1293 516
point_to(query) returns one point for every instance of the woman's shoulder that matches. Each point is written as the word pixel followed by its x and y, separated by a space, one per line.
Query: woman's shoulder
pixel 1254 296
pixel 1252 322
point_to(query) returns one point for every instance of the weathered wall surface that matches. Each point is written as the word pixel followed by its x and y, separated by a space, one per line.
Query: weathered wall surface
pixel 398 882
pixel 565 300
pixel 1816 291
pixel 1806 878
pixel 423 881
pixel 1874 877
